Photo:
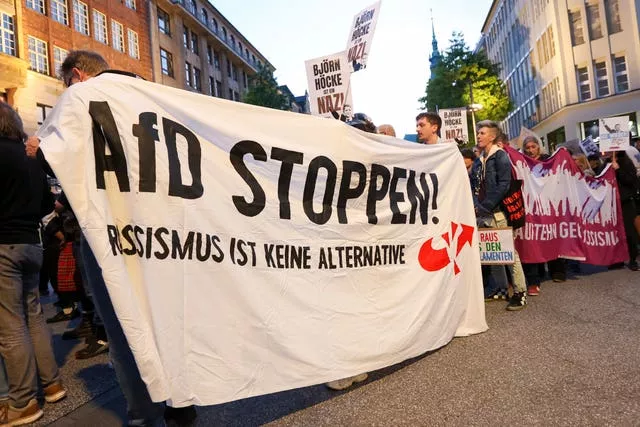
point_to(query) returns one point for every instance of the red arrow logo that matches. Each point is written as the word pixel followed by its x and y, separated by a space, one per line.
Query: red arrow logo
pixel 432 259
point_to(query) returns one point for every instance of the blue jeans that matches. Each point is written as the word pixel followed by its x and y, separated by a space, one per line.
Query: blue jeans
pixel 4 383
pixel 25 339
pixel 141 409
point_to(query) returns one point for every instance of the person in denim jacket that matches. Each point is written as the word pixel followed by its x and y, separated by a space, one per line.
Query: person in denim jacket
pixel 491 179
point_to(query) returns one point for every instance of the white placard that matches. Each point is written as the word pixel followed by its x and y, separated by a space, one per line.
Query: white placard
pixel 454 125
pixel 496 246
pixel 361 36
pixel 328 78
pixel 614 133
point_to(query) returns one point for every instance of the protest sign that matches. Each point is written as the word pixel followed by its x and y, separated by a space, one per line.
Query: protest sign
pixel 328 78
pixel 496 246
pixel 454 125
pixel 248 250
pixel 568 215
pixel 614 133
pixel 361 35
pixel 589 147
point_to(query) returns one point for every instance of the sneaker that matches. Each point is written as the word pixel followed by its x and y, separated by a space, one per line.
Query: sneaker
pixel 94 348
pixel 517 302
pixel 83 330
pixel 180 417
pixel 61 316
pixel 347 382
pixel 10 416
pixel 55 392
pixel 533 291
pixel 559 277
pixel 497 295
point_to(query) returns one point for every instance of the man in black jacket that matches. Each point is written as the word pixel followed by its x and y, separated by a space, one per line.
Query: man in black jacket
pixel 627 188
pixel 25 340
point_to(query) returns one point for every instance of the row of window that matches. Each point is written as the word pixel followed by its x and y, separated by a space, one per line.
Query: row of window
pixel 81 23
pixel 58 8
pixel 164 26
pixel 166 65
pixel 620 75
pixel 39 56
pixel 545 48
pixel 594 23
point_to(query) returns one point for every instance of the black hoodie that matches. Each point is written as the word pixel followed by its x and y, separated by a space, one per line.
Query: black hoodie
pixel 26 196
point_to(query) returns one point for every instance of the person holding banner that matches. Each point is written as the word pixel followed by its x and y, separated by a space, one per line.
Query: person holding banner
pixel 428 128
pixel 489 188
pixel 78 67
pixel 627 188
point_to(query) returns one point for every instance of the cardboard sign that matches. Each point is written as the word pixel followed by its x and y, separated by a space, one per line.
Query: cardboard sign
pixel 328 78
pixel 614 133
pixel 454 125
pixel 496 246
pixel 361 35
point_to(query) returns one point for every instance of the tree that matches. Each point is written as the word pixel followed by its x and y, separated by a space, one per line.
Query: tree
pixel 263 91
pixel 461 69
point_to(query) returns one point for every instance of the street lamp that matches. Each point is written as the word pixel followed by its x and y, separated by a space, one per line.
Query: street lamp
pixel 473 108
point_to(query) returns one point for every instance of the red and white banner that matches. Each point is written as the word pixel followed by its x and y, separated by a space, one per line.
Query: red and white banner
pixel 569 215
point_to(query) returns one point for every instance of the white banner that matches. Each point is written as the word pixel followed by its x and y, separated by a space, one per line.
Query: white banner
pixel 496 246
pixel 361 36
pixel 249 250
pixel 329 93
pixel 614 133
pixel 454 125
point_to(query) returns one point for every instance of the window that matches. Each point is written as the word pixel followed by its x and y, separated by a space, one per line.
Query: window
pixel 228 69
pixel 246 54
pixel 602 83
pixel 224 34
pixel 197 82
pixel 214 24
pixel 59 11
pixel 37 5
pixel 204 16
pixel 166 62
pixel 117 35
pixel 164 22
pixel 233 42
pixel 38 55
pixel 81 17
pixel 43 111
pixel 216 60
pixel 253 59
pixel 583 84
pixel 212 86
pixel 59 55
pixel 209 54
pixel 620 68
pixel 100 26
pixel 219 88
pixel 231 94
pixel 235 73
pixel 185 38
pixel 134 47
pixel 575 22
pixel 240 47
pixel 193 8
pixel 613 16
pixel 593 18
pixel 187 74
pixel 131 4
pixel 194 43
pixel 7 35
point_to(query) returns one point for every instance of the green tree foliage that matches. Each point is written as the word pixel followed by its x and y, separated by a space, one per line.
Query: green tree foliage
pixel 263 91
pixel 461 68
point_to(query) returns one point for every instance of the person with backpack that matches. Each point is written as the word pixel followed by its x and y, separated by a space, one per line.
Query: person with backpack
pixel 491 181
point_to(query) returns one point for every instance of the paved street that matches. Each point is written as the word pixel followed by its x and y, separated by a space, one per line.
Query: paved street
pixel 571 358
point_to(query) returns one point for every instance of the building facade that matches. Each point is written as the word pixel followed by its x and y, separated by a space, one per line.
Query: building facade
pixel 566 63
pixel 194 47
pixel 36 35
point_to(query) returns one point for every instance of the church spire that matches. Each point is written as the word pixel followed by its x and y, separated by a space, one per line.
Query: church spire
pixel 434 59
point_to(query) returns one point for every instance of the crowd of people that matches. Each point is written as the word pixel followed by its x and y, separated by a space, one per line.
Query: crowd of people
pixel 41 244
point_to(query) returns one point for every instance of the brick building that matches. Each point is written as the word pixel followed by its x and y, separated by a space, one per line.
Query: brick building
pixel 36 35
